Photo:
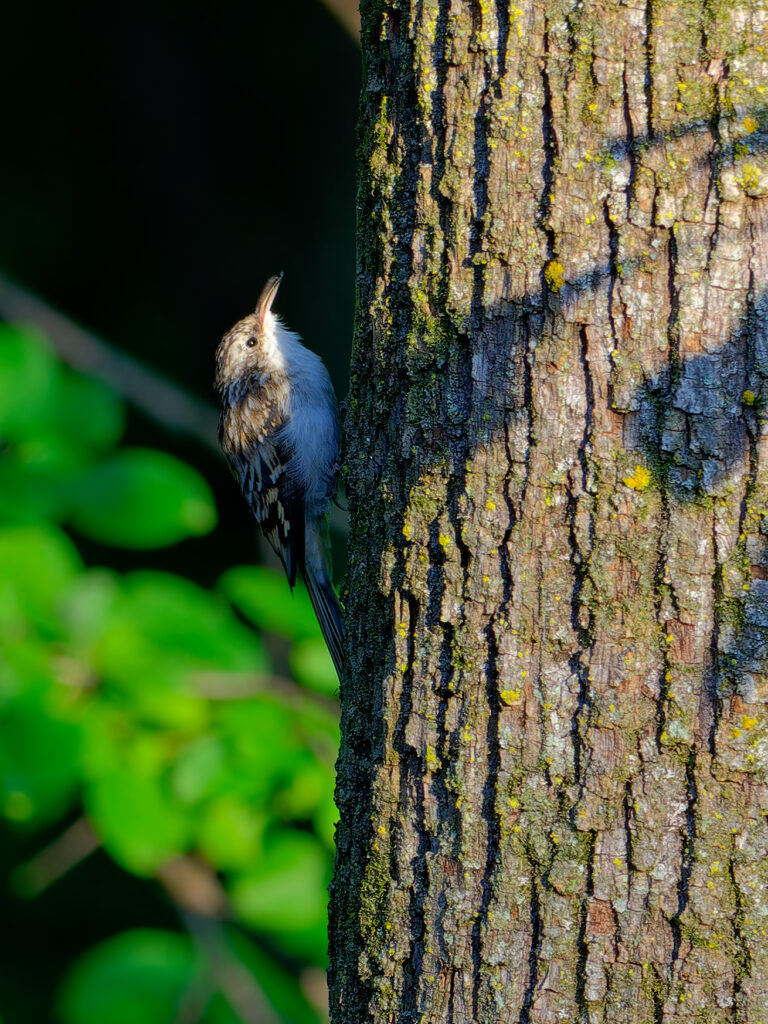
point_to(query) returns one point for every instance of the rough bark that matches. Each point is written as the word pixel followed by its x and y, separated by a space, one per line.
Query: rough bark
pixel 552 781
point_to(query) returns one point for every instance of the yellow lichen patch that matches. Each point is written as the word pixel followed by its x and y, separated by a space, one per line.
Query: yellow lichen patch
pixel 509 696
pixel 431 757
pixel 747 722
pixel 490 505
pixel 639 479
pixel 749 125
pixel 748 398
pixel 750 177
pixel 554 275
pixel 443 540
pixel 407 531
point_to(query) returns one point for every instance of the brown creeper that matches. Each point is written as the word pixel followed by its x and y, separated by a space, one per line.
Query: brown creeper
pixel 279 429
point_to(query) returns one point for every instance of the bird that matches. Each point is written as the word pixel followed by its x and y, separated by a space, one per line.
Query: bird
pixel 279 431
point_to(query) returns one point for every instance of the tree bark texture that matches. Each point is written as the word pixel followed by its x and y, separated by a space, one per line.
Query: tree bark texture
pixel 552 781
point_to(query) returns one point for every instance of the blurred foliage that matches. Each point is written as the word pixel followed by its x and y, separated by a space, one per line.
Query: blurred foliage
pixel 148 705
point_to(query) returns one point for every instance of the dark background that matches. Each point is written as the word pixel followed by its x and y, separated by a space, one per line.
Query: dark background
pixel 161 160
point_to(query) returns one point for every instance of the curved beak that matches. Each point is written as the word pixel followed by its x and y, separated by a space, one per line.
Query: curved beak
pixel 267 297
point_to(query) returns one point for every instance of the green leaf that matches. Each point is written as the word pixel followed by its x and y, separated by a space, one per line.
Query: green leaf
pixel 199 770
pixel 53 439
pixel 36 479
pixel 140 498
pixel 262 743
pixel 29 380
pixel 39 759
pixel 196 625
pixel 87 412
pixel 264 596
pixel 166 640
pixel 305 789
pixel 37 566
pixel 89 606
pixel 285 892
pixel 138 976
pixel 312 666
pixel 24 658
pixel 158 643
pixel 117 742
pixel 140 824
pixel 230 833
pixel 150 683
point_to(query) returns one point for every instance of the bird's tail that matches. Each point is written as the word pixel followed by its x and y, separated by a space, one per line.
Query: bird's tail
pixel 328 612
pixel 323 596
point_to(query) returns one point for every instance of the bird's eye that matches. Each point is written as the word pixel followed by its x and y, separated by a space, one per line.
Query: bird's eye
pixel 250 342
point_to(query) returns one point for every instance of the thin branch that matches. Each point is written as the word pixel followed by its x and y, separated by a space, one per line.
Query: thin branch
pixel 77 842
pixel 194 887
pixel 237 984
pixel 202 904
pixel 243 685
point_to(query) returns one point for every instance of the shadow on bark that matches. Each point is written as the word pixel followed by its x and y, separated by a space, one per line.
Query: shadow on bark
pixel 725 153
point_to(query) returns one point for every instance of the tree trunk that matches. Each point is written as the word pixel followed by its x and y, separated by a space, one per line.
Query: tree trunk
pixel 552 781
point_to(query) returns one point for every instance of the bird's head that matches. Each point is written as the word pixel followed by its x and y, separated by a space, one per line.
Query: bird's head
pixel 243 347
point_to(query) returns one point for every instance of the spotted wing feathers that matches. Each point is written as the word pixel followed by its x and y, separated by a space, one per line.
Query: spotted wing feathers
pixel 263 471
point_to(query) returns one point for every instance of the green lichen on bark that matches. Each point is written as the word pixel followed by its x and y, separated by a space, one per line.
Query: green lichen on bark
pixel 552 778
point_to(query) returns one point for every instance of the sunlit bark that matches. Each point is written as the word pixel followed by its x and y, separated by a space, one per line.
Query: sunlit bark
pixel 552 779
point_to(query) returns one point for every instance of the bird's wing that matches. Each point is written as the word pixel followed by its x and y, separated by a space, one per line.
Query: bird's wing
pixel 264 473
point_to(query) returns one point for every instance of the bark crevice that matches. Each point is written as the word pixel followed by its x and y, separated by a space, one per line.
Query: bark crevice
pixel 688 842
pixel 534 954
